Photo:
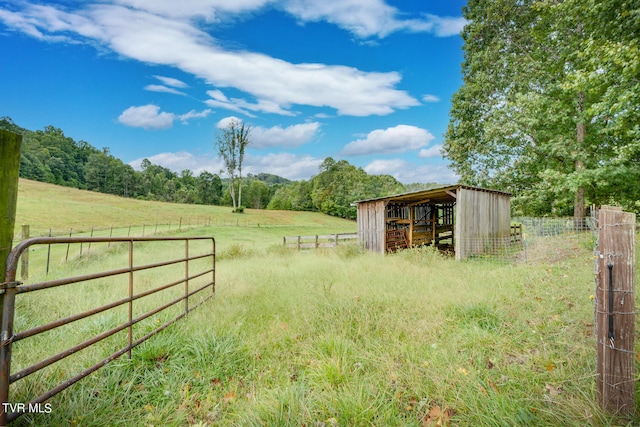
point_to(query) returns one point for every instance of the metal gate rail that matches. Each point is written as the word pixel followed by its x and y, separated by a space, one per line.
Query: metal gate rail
pixel 10 288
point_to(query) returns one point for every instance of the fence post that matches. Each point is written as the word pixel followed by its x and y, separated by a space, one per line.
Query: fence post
pixel 48 254
pixel 68 244
pixel 24 266
pixel 298 242
pixel 9 172
pixel 615 310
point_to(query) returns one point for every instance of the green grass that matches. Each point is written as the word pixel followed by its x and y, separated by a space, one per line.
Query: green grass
pixel 343 338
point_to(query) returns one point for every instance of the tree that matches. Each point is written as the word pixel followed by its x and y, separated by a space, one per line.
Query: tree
pixel 533 115
pixel 232 142
pixel 258 194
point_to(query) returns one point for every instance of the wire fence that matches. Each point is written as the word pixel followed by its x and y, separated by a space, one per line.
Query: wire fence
pixel 541 240
pixel 150 228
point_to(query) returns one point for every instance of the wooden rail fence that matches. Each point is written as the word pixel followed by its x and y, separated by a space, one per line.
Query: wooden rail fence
pixel 318 241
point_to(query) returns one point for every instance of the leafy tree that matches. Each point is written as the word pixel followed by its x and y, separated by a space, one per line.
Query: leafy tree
pixel 540 113
pixel 232 142
pixel 258 194
pixel 208 189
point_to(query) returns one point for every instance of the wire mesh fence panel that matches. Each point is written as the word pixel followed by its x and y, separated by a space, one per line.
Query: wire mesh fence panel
pixel 537 240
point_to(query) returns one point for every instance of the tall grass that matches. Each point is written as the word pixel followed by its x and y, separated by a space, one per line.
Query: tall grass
pixel 338 337
pixel 328 337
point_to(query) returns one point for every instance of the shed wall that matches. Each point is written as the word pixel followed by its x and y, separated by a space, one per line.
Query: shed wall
pixel 371 225
pixel 483 220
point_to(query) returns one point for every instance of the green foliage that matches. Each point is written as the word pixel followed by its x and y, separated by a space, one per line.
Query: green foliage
pixel 50 156
pixel 548 108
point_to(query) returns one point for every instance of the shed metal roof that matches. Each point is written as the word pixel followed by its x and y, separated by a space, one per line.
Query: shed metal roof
pixel 444 194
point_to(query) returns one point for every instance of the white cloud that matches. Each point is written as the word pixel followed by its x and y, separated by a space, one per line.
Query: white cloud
pixel 170 81
pixel 219 99
pixel 408 173
pixel 277 136
pixel 150 117
pixel 223 123
pixel 367 18
pixel 430 98
pixel 291 136
pixel 193 114
pixel 147 117
pixel 431 152
pixel 163 89
pixel 177 162
pixel 166 40
pixel 206 9
pixel 397 139
pixel 286 165
pixel 447 26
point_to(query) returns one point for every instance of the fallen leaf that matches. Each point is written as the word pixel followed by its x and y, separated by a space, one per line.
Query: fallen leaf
pixel 493 385
pixel 437 417
pixel 229 397
pixel 553 391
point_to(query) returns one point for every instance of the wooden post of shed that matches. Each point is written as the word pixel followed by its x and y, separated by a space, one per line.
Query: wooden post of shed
pixel 9 172
pixel 615 310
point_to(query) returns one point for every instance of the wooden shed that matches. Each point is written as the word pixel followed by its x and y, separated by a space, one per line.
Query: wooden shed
pixel 463 219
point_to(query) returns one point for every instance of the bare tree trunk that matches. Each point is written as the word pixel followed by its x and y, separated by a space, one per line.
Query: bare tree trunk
pixel 232 190
pixel 240 187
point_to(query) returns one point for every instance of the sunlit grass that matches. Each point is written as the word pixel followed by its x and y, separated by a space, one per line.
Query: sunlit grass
pixel 332 337
pixel 337 337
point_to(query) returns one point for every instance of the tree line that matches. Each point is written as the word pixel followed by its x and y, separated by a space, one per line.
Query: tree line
pixel 549 108
pixel 50 156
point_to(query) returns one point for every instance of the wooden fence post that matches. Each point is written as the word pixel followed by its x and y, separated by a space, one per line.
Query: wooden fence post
pixel 9 171
pixel 615 310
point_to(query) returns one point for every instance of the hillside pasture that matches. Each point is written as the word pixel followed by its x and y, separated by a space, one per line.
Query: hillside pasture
pixel 337 337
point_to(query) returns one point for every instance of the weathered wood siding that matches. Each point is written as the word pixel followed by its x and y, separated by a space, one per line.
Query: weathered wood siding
pixel 483 220
pixel 371 225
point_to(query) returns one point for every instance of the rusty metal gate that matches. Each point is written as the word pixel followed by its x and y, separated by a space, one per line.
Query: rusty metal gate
pixel 194 266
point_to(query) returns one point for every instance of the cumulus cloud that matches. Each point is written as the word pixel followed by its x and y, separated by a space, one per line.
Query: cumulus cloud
pixel 431 152
pixel 447 26
pixel 147 117
pixel 286 165
pixel 430 98
pixel 277 136
pixel 150 117
pixel 291 136
pixel 397 139
pixel 407 172
pixel 182 160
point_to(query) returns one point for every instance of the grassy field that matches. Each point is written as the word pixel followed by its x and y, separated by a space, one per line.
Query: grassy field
pixel 332 337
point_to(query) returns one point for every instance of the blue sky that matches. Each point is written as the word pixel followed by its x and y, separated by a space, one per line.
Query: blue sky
pixel 368 81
